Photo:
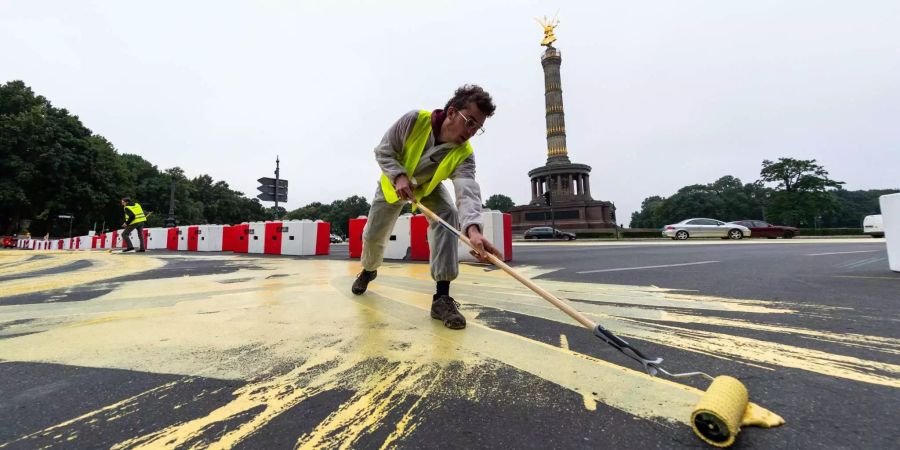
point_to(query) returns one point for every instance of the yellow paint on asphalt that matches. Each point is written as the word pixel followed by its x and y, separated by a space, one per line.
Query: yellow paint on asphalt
pixel 103 266
pixel 293 337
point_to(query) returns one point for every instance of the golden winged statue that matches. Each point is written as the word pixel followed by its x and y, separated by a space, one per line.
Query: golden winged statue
pixel 549 26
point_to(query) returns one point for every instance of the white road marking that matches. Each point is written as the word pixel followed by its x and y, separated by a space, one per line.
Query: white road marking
pixel 648 267
pixel 842 253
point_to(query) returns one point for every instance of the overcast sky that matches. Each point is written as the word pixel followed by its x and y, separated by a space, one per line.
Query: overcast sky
pixel 657 95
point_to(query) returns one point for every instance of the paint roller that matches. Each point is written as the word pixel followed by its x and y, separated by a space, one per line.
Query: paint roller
pixel 723 408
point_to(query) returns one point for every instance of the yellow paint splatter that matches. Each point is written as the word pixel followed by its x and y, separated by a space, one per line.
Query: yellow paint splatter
pixel 382 346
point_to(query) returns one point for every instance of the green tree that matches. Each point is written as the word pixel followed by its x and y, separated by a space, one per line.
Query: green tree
pixel 338 213
pixel 853 206
pixel 802 192
pixel 52 164
pixel 725 199
pixel 650 214
pixel 499 202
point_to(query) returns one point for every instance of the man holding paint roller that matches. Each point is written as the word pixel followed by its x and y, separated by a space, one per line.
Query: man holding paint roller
pixel 420 150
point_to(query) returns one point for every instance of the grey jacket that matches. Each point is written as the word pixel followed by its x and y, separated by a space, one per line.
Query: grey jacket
pixel 389 155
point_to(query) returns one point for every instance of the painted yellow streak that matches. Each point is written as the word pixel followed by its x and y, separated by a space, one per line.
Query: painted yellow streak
pixel 276 395
pixel 629 322
pixel 381 394
pixel 563 341
pixel 413 416
pixel 874 278
pixel 128 402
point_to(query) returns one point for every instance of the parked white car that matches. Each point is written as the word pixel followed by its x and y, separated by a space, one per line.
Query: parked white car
pixel 700 227
pixel 873 226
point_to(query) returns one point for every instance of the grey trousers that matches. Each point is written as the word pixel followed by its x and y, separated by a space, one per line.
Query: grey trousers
pixel 442 243
pixel 126 235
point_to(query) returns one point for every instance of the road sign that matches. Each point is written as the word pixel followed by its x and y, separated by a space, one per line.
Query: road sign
pixel 270 197
pixel 268 191
pixel 266 181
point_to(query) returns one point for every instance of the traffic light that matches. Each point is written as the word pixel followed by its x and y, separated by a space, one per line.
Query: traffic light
pixel 547 198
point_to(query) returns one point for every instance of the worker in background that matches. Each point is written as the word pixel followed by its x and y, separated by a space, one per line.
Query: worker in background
pixel 134 220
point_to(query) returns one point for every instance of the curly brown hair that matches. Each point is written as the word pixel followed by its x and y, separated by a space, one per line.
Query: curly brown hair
pixel 472 93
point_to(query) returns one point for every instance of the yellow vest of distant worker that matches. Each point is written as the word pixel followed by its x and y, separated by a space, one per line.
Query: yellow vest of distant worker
pixel 138 214
pixel 412 153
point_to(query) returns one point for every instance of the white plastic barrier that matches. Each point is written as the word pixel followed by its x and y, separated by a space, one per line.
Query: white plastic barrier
pixel 65 244
pixel 210 238
pixel 494 231
pixel 257 237
pixel 399 241
pixel 84 242
pixel 292 235
pixel 183 238
pixel 890 216
pixel 156 238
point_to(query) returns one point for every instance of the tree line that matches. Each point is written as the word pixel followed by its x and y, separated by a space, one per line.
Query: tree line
pixel 789 191
pixel 52 165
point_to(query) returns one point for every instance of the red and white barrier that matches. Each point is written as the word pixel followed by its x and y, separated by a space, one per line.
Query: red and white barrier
pixel 209 238
pixel 257 237
pixel 109 239
pixel 398 243
pixel 305 237
pixel 236 238
pixel 293 237
pixel 156 238
pixel 182 238
pixel 409 238
pixel 497 228
pixel 355 231
pixel 172 239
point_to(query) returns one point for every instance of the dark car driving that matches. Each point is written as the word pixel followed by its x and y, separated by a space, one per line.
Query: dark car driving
pixel 548 233
pixel 758 228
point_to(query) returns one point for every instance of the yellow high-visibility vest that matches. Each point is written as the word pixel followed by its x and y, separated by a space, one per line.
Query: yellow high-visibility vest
pixel 412 153
pixel 138 214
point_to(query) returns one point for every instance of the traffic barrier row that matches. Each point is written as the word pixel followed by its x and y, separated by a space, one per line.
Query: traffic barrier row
pixel 290 237
pixel 409 238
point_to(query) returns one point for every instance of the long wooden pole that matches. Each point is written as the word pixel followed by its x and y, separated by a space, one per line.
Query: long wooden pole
pixel 565 307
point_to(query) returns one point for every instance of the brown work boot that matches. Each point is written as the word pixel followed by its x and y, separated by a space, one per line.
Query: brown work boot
pixel 362 281
pixel 445 309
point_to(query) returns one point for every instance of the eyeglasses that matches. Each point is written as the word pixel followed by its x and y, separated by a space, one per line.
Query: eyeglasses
pixel 472 124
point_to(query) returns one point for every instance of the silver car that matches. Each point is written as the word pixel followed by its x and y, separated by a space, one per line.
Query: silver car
pixel 700 227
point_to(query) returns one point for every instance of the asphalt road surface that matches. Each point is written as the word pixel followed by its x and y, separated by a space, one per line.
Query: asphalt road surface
pixel 174 350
